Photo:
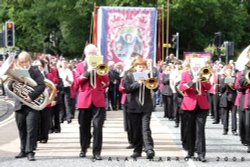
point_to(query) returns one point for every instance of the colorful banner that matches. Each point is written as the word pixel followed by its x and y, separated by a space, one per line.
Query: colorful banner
pixel 205 55
pixel 125 30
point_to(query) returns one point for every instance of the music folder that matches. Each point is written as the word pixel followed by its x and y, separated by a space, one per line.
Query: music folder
pixel 94 61
pixel 22 73
pixel 229 80
pixel 140 76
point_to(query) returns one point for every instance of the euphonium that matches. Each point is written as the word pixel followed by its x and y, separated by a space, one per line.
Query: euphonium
pixel 102 69
pixel 20 87
pixel 205 73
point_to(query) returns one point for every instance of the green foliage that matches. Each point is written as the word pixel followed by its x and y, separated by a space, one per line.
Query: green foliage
pixel 63 26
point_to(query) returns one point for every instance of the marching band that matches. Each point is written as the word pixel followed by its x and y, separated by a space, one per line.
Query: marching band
pixel 189 93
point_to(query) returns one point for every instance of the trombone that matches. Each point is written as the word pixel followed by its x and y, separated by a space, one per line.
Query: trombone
pixel 101 70
pixel 151 83
pixel 205 73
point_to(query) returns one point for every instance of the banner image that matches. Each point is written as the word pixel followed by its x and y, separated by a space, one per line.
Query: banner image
pixel 204 55
pixel 126 30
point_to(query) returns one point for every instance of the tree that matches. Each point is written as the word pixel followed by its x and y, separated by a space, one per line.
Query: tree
pixel 198 20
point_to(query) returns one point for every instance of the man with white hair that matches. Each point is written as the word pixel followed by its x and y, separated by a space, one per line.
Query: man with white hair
pixel 91 104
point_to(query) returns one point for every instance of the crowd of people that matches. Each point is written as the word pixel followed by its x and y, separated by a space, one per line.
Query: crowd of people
pixel 186 93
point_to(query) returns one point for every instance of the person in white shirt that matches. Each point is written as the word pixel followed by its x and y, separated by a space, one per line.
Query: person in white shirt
pixel 67 78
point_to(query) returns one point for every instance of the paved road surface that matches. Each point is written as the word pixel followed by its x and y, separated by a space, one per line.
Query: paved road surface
pixel 63 148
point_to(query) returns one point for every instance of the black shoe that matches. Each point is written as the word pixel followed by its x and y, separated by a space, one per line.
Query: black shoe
pixel 202 158
pixel 69 121
pixel 216 122
pixel 224 132
pixel 189 155
pixel 44 141
pixel 97 157
pixel 135 155
pixel 21 155
pixel 176 125
pixel 51 131
pixel 31 156
pixel 248 149
pixel 130 146
pixel 234 133
pixel 82 154
pixel 57 131
pixel 150 154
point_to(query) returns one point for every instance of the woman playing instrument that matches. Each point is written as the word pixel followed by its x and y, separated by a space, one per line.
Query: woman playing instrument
pixel 26 117
pixel 140 107
pixel 195 107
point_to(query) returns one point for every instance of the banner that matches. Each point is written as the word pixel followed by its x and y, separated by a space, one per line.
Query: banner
pixel 125 30
pixel 204 55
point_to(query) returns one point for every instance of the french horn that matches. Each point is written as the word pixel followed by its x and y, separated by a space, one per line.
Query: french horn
pixel 20 87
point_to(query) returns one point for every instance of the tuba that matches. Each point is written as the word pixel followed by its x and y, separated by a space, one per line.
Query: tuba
pixel 20 87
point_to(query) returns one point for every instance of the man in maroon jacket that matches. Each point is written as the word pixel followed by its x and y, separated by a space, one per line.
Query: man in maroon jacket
pixel 91 104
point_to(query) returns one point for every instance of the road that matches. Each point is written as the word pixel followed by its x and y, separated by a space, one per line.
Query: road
pixel 63 148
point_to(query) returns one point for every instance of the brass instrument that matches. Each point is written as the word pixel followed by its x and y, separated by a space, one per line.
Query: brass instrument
pixel 205 73
pixel 247 76
pixel 21 87
pixel 95 64
pixel 102 69
pixel 151 83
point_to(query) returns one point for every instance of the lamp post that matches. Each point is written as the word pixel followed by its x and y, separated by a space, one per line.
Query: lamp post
pixel 167 26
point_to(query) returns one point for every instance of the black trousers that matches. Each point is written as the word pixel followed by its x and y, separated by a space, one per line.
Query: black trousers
pixel 244 126
pixel 44 124
pixel 127 125
pixel 65 112
pixel 141 131
pixel 212 102
pixel 55 117
pixel 216 100
pixel 195 130
pixel 225 116
pixel 168 106
pixel 27 124
pixel 96 114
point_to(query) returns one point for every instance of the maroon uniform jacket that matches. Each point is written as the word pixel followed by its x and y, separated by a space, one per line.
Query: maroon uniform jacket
pixel 86 93
pixel 191 96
